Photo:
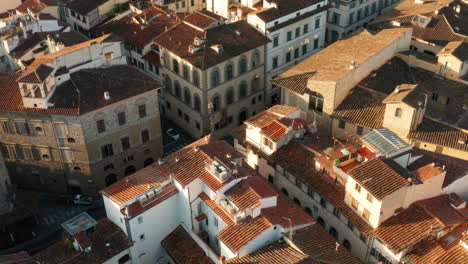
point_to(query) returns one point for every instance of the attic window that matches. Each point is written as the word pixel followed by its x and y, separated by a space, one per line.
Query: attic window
pixel 450 239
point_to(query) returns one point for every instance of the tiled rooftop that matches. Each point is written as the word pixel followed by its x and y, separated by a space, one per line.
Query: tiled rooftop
pixel 250 229
pixel 380 177
pixel 243 196
pixel 178 39
pixel 183 249
pixel 105 232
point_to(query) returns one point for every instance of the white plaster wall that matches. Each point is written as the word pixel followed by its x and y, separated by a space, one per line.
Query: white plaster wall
pixel 460 187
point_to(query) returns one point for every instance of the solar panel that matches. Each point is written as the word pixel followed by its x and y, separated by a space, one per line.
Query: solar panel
pixel 383 141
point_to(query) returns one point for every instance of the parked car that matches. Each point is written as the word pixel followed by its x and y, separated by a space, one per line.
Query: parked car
pixel 172 133
pixel 83 200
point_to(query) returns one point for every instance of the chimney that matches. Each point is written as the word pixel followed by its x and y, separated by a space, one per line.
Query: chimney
pixel 457 9
pixel 352 65
pixel 107 96
pixel 177 159
pixel 160 162
pixel 397 90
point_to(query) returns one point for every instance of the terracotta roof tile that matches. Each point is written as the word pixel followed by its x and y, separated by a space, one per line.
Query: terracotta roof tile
pixel 243 196
pixel 153 58
pixel 283 8
pixel 272 254
pixel 440 207
pixel 202 19
pixel 38 75
pixel 438 133
pixel 17 258
pixel 105 232
pixel 458 49
pixel 426 172
pixel 136 208
pixel 178 39
pixel 250 229
pixel 380 177
pixel 284 210
pixel 362 107
pixel 407 228
pixel 275 130
pixel 183 249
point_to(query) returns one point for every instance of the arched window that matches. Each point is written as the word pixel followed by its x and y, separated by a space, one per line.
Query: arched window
pixel 177 90
pixel 308 211
pixel 168 84
pixel 229 72
pixel 130 170
pixel 185 72
pixel 175 66
pixel 196 78
pixel 243 90
pixel 242 116
pixel 216 104
pixel 346 244
pixel 320 221
pixel 197 103
pixel 333 232
pixel 297 201
pixel 398 112
pixel 243 65
pixel 316 102
pixel 255 84
pixel 148 162
pixel 255 59
pixel 110 179
pixel 215 78
pixel 187 97
pixel 230 96
pixel 284 191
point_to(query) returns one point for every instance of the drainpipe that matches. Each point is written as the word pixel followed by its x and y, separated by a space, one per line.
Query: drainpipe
pixel 127 226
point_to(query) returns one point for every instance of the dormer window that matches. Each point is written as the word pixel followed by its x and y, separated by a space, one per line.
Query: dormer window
pixel 398 112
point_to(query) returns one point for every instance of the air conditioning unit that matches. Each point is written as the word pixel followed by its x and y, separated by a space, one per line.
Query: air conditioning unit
pixel 142 198
pixel 158 190
pixel 223 203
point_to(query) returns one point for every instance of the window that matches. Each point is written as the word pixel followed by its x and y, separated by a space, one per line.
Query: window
pixel 366 214
pixel 359 14
pixel 140 219
pixel 125 258
pixel 215 78
pixel 145 136
pixel 363 238
pixel 255 84
pixel 187 97
pixel 4 126
pixel 342 124
pixel 109 56
pixel 316 43
pixel 357 187
pixel 216 104
pixel 229 72
pixel 242 90
pixel 267 142
pixel 351 18
pixel 142 237
pixel 196 78
pixel 125 143
pixel 398 112
pixel 275 62
pixel 142 111
pixel 183 4
pixel 317 22
pixel 107 150
pixel 288 56
pixel 289 35
pixel 370 198
pixel 298 32
pixel 243 65
pixel 306 28
pixel 296 53
pixel 175 66
pixel 304 49
pixel 359 130
pixel 177 89
pixel 323 203
pixel 230 96
pixel 255 59
pixel 336 212
pixel 22 128
pixel 435 97
pixel 185 72
pixel 215 220
pixel 186 118
pixel 333 232
pixel 316 102
pixel 101 126
pixel 354 204
pixel 197 103
pixel 121 118
pixel 350 225
pixel 336 18
pixel 275 41
pixel 346 244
